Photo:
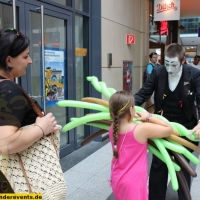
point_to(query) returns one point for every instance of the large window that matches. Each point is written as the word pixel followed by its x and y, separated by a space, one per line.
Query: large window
pixel 190 24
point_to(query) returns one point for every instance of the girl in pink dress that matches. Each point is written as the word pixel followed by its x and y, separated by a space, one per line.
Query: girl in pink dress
pixel 129 171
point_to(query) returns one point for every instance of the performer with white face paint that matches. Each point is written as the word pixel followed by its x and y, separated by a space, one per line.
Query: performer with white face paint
pixel 175 86
pixel 174 69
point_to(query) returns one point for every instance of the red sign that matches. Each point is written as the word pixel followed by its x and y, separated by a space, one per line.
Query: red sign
pixel 163 29
pixel 130 39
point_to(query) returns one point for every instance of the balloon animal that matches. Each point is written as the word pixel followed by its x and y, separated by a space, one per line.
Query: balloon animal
pixel 163 148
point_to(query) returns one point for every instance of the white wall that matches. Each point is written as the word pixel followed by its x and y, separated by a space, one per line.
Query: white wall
pixel 121 17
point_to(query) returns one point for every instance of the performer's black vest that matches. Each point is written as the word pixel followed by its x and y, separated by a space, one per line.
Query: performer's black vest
pixel 172 106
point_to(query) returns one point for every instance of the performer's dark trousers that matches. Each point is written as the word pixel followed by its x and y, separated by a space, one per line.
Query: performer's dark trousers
pixel 158 180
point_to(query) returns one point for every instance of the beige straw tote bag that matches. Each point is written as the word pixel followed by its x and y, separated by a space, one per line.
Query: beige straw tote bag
pixel 36 169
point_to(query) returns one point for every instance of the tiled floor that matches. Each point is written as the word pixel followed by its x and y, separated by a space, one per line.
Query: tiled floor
pixel 87 179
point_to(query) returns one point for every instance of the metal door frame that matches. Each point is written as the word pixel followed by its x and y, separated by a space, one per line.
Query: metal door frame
pixel 23 25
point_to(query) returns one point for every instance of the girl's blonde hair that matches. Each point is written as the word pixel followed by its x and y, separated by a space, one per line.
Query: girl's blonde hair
pixel 119 106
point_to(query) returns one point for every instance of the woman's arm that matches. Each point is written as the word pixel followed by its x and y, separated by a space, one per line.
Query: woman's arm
pixel 14 140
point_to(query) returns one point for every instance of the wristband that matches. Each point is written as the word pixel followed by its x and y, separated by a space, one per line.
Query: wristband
pixel 148 117
pixel 41 129
pixel 198 121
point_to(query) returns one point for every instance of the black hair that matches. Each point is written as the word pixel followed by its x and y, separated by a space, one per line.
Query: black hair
pixel 151 54
pixel 12 43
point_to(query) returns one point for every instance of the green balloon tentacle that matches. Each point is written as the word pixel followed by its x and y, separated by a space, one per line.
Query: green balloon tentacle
pixel 101 126
pixel 100 86
pixel 168 162
pixel 139 109
pixel 159 155
pixel 94 81
pixel 112 90
pixel 81 104
pixel 187 153
pixel 86 119
pixel 173 147
pixel 184 131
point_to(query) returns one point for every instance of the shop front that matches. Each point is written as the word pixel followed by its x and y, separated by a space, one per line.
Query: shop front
pixel 56 30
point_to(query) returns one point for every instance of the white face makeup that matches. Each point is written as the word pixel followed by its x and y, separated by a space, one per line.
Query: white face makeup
pixel 173 65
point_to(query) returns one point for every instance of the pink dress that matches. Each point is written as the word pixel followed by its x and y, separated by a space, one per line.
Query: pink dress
pixel 129 172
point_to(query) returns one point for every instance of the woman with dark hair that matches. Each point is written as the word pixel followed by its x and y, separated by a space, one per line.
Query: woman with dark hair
pixel 15 109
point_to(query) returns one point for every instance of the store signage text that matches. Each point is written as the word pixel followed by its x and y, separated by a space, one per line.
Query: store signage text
pixel 165 10
pixel 165 7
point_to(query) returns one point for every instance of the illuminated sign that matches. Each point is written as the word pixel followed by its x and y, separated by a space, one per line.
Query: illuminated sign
pixel 166 10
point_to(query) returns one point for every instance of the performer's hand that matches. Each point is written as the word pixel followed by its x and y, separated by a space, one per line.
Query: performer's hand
pixel 196 131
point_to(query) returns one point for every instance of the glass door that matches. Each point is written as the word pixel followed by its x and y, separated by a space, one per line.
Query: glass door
pixel 6 16
pixel 47 80
pixel 50 77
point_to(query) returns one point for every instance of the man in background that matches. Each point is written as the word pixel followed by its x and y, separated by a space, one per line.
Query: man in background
pixel 195 62
pixel 153 62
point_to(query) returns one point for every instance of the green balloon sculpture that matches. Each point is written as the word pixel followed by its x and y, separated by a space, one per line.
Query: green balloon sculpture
pixel 159 147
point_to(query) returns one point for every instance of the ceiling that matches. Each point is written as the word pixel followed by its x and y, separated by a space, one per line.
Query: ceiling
pixel 189 40
pixel 190 8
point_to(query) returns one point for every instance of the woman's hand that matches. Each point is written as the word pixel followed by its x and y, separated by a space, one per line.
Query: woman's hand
pixel 47 123
pixel 142 116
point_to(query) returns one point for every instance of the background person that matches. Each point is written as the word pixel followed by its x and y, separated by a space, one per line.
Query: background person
pixel 153 57
pixel 129 171
pixel 195 62
pixel 175 87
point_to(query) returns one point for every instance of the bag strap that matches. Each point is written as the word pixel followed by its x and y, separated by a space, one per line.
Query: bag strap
pixel 39 113
pixel 24 173
pixel 34 106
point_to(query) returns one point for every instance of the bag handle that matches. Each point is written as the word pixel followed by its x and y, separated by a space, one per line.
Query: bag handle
pixel 34 106
pixel 24 173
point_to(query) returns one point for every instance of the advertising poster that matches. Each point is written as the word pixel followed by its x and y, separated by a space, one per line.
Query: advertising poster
pixel 127 76
pixel 54 75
